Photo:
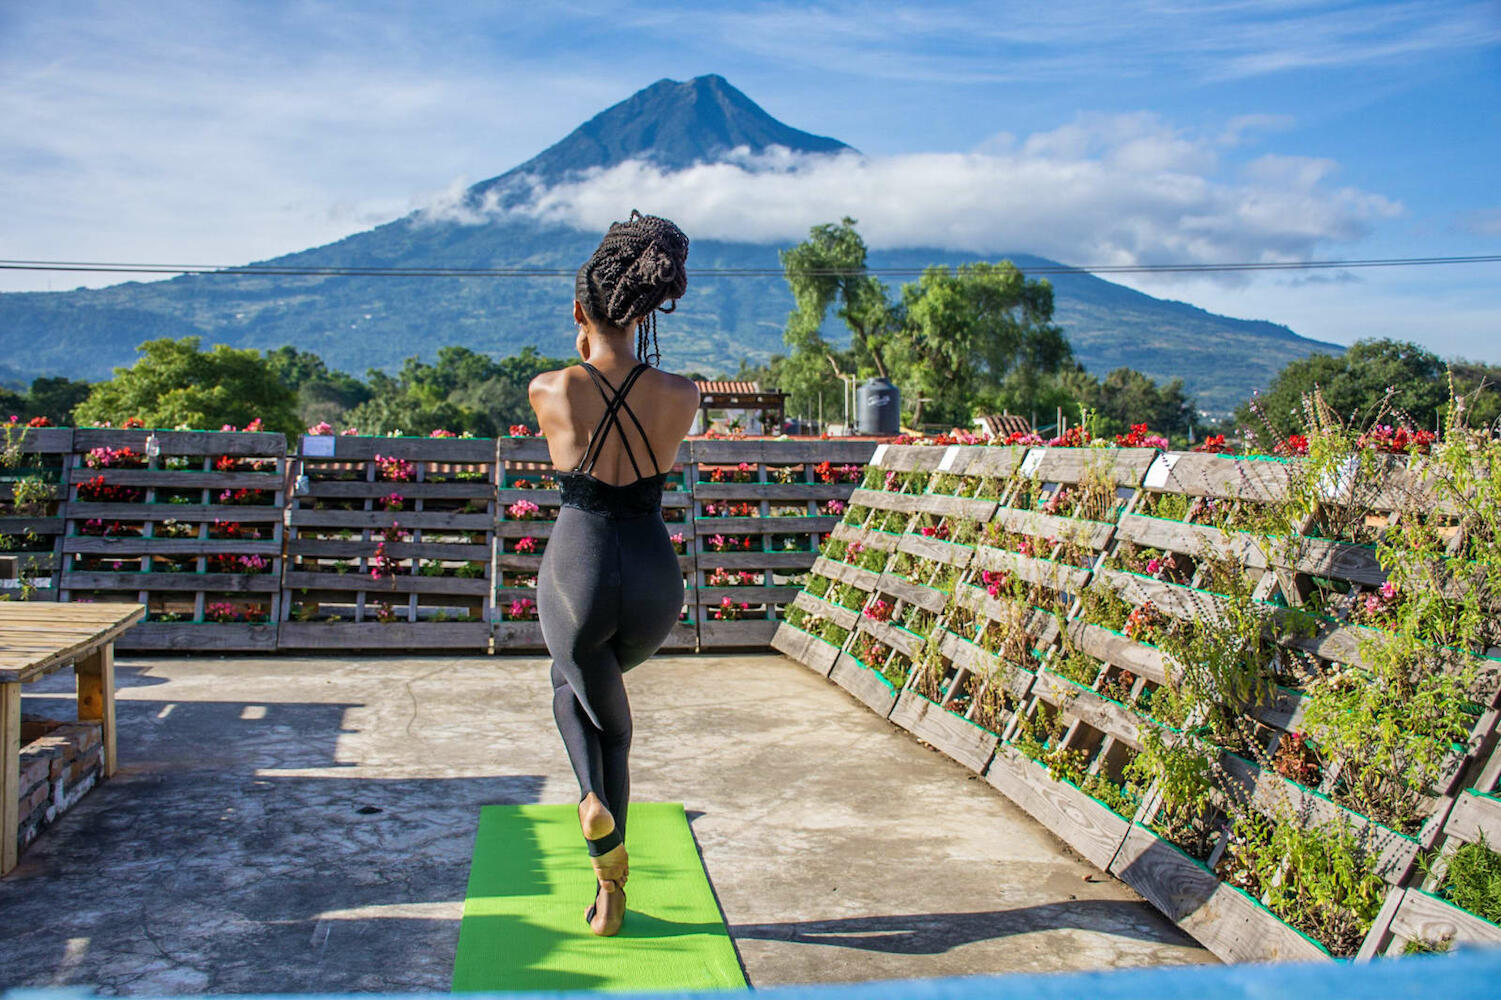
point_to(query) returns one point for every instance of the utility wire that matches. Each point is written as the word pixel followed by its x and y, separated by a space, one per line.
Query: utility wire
pixel 443 271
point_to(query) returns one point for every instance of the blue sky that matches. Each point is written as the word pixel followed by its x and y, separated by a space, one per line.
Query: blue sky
pixel 1091 132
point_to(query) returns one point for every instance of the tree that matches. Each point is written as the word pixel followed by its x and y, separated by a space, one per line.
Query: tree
pixel 174 383
pixel 1411 379
pixel 978 334
pixel 56 398
pixel 827 270
pixel 322 394
pixel 463 391
pixel 1126 397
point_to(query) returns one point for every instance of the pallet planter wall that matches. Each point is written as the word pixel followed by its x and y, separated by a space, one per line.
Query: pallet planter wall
pixel 521 538
pixel 188 523
pixel 32 493
pixel 1051 604
pixel 389 544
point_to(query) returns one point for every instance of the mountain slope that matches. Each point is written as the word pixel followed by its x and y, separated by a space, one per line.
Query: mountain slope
pixel 672 124
pixel 357 323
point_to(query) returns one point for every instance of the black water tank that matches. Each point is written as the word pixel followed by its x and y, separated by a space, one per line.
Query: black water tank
pixel 878 408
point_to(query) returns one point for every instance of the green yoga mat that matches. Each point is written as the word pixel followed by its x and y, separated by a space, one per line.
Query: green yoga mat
pixel 523 925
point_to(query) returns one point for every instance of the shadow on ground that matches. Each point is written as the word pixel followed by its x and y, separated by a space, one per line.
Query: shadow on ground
pixel 937 933
pixel 194 869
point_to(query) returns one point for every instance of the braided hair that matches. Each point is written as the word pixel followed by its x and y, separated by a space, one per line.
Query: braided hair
pixel 640 264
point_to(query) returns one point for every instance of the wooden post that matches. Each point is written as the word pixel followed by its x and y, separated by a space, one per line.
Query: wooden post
pixel 96 699
pixel 10 773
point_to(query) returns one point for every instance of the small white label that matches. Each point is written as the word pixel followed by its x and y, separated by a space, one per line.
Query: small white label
pixel 1032 461
pixel 1338 484
pixel 303 484
pixel 875 457
pixel 153 446
pixel 949 454
pixel 318 445
pixel 1160 471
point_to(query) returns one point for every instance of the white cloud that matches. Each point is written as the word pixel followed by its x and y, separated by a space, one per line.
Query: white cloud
pixel 1064 43
pixel 1121 189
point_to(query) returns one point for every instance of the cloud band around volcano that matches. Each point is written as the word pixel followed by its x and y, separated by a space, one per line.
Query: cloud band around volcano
pixel 1123 189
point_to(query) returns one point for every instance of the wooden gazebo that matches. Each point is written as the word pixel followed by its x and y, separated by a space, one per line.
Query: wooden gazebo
pixel 717 395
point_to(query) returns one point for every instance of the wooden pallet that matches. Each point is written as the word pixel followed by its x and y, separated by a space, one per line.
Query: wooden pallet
pixel 33 538
pixel 776 495
pixel 1224 919
pixel 865 683
pixel 1423 916
pixel 188 523
pixel 356 557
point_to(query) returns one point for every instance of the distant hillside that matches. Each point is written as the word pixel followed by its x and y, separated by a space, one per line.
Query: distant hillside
pixel 357 323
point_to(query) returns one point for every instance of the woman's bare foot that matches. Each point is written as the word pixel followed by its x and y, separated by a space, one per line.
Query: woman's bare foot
pixel 609 911
pixel 597 822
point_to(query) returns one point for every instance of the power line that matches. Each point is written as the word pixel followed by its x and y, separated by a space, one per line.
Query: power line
pixel 444 271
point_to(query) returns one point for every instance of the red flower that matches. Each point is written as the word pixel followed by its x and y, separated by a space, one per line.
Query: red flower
pixel 1295 445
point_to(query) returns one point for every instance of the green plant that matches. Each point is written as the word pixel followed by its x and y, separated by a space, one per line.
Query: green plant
pixel 1473 879
pixel 1081 668
pixel 30 495
pixel 1102 605
pixel 1170 506
pixel 1181 768
pixel 1425 946
pixel 1319 878
pixel 1121 798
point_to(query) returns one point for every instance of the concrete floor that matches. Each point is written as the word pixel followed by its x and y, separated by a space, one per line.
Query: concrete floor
pixel 288 825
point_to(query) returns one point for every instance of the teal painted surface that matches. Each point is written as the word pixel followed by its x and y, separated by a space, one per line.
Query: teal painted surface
pixel 1469 974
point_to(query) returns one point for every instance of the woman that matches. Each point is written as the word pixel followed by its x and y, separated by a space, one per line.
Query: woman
pixel 609 589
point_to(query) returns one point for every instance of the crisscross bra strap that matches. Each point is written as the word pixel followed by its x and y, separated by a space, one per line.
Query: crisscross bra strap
pixel 614 403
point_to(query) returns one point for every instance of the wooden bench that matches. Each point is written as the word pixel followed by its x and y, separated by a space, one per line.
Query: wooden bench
pixel 37 638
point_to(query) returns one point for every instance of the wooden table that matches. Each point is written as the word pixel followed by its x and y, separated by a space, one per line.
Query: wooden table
pixel 37 638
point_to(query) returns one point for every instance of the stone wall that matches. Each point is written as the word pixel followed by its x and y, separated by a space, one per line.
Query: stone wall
pixel 60 762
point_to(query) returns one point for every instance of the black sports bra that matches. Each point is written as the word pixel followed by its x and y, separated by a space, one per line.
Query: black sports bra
pixel 580 488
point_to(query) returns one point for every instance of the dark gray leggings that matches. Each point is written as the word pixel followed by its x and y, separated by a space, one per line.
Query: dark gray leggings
pixel 608 594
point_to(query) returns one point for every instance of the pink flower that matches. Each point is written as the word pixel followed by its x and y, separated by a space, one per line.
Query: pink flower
pixel 527 544
pixel 255 425
pixel 1154 565
pixel 522 510
pixel 346 432
pixel 1388 590
pixel 321 427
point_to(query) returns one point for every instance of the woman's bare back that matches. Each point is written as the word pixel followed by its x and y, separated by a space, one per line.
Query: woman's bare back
pixel 569 406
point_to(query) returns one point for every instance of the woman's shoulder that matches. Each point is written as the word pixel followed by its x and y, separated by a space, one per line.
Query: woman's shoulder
pixel 545 383
pixel 677 384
